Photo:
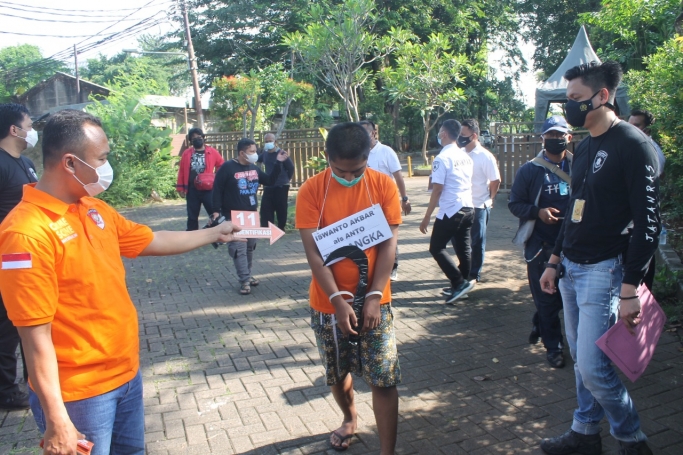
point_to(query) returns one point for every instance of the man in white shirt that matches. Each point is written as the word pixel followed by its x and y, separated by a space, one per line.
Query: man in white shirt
pixel 452 191
pixel 384 159
pixel 485 184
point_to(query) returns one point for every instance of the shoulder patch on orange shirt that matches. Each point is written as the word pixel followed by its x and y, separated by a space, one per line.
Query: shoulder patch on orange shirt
pixel 15 261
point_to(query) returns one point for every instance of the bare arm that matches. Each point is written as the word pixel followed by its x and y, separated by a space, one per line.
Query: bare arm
pixel 60 436
pixel 386 253
pixel 346 319
pixel 166 243
pixel 433 201
pixel 398 176
pixel 494 186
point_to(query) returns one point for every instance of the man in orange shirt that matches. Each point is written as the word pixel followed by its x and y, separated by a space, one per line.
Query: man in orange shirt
pixel 344 189
pixel 63 283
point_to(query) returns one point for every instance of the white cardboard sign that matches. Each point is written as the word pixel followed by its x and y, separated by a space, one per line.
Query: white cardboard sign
pixel 364 229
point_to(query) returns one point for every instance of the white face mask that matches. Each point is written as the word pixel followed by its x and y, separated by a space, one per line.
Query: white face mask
pixel 105 175
pixel 31 137
pixel 253 158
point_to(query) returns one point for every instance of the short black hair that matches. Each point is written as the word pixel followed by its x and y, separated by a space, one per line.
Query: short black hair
pixel 368 122
pixel 598 75
pixel 647 115
pixel 347 141
pixel 64 133
pixel 11 114
pixel 452 128
pixel 472 125
pixel 244 144
pixel 194 131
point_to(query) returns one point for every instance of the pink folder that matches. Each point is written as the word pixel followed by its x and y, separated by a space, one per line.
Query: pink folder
pixel 632 354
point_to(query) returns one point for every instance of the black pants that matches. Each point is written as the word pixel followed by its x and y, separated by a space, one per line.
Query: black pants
pixel 548 306
pixel 458 229
pixel 9 340
pixel 274 202
pixel 195 199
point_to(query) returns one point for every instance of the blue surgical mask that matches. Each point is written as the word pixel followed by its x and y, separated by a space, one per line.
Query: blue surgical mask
pixel 347 183
pixel 438 139
pixel 269 146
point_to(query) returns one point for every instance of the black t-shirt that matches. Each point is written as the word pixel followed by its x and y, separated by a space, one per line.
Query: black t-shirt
pixel 621 190
pixel 555 194
pixel 197 165
pixel 14 174
pixel 236 185
pixel 269 159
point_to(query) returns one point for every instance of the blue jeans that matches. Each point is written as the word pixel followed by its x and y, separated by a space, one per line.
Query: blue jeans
pixel 590 295
pixel 113 421
pixel 478 235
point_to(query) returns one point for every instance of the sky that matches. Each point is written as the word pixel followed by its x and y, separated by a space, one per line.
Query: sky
pixel 76 21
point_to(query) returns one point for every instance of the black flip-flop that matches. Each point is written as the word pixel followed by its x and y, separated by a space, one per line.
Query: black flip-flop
pixel 342 439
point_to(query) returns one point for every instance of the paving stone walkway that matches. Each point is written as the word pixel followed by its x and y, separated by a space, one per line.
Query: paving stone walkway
pixel 230 374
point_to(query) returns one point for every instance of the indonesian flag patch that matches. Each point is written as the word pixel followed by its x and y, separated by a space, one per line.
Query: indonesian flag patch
pixel 16 261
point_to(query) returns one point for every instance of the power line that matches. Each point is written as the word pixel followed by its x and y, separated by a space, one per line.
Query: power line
pixel 41 9
pixel 110 18
pixel 44 36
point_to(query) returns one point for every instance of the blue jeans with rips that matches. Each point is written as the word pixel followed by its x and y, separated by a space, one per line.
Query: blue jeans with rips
pixel 590 294
pixel 113 421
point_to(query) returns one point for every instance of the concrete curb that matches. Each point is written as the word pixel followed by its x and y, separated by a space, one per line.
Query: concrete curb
pixel 673 263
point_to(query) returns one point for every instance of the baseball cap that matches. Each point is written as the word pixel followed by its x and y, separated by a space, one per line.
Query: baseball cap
pixel 557 123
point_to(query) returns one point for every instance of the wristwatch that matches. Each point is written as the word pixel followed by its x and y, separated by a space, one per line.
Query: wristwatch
pixel 404 199
pixel 548 265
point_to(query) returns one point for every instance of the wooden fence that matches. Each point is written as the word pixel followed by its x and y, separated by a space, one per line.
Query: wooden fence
pixel 302 145
pixel 514 144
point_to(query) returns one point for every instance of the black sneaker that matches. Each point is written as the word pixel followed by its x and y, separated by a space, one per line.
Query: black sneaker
pixel 556 359
pixel 573 442
pixel 534 336
pixel 14 401
pixel 449 291
pixel 634 448
pixel 458 292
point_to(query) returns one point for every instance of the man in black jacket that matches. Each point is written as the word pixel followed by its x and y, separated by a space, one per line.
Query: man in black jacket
pixel 539 198
pixel 16 133
pixel 235 188
pixel 274 199
pixel 608 237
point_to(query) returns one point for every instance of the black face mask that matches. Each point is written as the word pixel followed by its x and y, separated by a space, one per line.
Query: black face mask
pixel 463 140
pixel 555 146
pixel 198 142
pixel 578 110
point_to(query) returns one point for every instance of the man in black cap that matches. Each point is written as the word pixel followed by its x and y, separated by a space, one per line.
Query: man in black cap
pixel 539 198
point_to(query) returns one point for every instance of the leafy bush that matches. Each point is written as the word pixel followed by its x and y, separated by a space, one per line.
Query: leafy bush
pixel 660 91
pixel 140 152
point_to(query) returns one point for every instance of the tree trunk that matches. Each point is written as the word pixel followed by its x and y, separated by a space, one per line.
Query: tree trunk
pixel 285 113
pixel 395 111
pixel 425 122
pixel 244 123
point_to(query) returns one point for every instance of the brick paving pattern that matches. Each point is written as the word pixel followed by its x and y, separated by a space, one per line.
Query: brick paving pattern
pixel 231 374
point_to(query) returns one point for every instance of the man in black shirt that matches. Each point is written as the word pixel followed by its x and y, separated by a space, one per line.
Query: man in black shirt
pixel 16 133
pixel 609 234
pixel 274 199
pixel 235 188
pixel 539 198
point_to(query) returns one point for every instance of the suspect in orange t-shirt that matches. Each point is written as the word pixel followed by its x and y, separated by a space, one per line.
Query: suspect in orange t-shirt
pixel 61 264
pixel 340 203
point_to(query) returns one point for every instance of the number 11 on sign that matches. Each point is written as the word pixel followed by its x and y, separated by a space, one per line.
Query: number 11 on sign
pixel 250 223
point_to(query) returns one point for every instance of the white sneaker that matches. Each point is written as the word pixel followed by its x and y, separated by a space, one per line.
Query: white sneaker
pixel 394 275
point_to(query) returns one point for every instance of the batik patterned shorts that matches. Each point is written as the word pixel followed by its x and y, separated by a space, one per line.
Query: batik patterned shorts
pixel 374 357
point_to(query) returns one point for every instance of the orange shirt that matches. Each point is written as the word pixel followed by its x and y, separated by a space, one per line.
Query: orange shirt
pixel 342 202
pixel 61 264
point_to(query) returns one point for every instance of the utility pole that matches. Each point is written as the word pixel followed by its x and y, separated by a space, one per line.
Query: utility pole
pixel 78 79
pixel 193 68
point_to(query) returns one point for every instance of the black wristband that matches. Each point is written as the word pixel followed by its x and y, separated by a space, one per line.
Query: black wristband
pixel 548 265
pixel 628 298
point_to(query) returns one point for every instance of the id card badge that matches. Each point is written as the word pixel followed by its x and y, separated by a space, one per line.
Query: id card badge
pixel 564 189
pixel 252 200
pixel 577 211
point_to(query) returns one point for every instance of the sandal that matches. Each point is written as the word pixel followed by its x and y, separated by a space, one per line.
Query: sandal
pixel 342 439
pixel 245 289
pixel 254 282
